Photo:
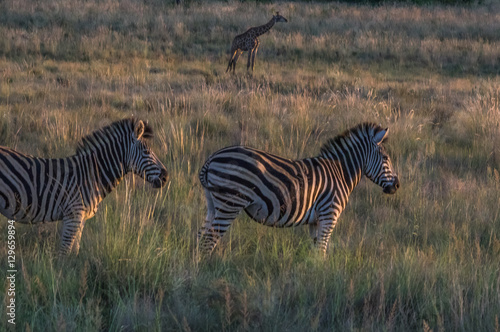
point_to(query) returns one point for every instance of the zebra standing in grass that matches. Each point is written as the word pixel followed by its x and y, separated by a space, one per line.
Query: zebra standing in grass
pixel 70 189
pixel 281 192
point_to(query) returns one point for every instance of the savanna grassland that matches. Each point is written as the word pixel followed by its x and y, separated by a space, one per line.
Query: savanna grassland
pixel 426 258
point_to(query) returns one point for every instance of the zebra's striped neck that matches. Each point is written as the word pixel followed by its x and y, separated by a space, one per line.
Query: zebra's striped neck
pixel 106 153
pixel 351 150
pixel 105 173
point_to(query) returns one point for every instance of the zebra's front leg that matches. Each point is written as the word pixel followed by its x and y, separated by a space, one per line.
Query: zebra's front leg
pixel 71 234
pixel 76 244
pixel 326 224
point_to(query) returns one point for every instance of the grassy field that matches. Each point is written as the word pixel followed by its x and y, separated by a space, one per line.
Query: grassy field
pixel 425 259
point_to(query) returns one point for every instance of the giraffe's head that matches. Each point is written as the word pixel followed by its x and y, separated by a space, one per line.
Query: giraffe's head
pixel 279 18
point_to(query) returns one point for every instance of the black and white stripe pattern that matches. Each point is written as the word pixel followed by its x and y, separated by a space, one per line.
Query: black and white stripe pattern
pixel 280 192
pixel 70 189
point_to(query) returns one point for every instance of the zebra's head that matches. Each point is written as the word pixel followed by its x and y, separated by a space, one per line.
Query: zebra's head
pixel 378 165
pixel 142 160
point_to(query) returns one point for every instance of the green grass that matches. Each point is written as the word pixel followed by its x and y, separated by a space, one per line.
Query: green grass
pixel 426 258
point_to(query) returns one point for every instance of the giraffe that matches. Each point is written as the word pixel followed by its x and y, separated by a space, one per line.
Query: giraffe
pixel 248 41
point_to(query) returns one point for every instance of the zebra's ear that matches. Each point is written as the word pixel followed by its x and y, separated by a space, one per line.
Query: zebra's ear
pixel 139 129
pixel 379 137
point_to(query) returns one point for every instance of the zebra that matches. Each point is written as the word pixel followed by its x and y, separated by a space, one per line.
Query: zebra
pixel 70 189
pixel 280 192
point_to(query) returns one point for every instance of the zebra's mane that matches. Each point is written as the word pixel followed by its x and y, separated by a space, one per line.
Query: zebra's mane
pixel 101 136
pixel 362 129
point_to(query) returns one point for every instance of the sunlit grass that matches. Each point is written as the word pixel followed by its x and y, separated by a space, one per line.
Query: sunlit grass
pixel 425 258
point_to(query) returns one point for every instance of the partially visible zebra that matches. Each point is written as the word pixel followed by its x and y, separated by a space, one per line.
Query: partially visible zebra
pixel 280 192
pixel 70 189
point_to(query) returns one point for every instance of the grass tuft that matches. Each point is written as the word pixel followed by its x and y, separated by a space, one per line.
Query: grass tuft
pixel 423 259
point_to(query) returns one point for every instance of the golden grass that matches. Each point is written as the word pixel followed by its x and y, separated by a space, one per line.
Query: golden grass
pixel 426 258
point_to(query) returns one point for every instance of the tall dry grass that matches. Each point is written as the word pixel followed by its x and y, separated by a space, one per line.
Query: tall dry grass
pixel 426 258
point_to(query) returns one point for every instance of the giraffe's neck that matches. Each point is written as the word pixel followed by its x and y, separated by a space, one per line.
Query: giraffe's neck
pixel 260 30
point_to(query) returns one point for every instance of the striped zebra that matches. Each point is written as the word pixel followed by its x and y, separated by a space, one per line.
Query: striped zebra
pixel 280 192
pixel 70 189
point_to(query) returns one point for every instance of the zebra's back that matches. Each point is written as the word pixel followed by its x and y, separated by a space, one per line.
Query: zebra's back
pixel 31 189
pixel 274 190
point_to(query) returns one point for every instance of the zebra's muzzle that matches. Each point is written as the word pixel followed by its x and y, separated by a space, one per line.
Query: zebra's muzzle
pixel 391 189
pixel 161 181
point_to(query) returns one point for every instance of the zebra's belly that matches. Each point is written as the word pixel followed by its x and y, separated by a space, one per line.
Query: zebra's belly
pixel 259 213
pixel 28 215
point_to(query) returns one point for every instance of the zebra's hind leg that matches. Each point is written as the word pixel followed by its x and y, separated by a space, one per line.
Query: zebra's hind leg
pixel 313 232
pixel 207 226
pixel 71 234
pixel 222 210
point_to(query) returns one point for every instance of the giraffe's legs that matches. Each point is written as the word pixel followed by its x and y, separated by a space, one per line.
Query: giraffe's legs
pixel 231 60
pixel 238 53
pixel 254 53
pixel 234 58
pixel 250 54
